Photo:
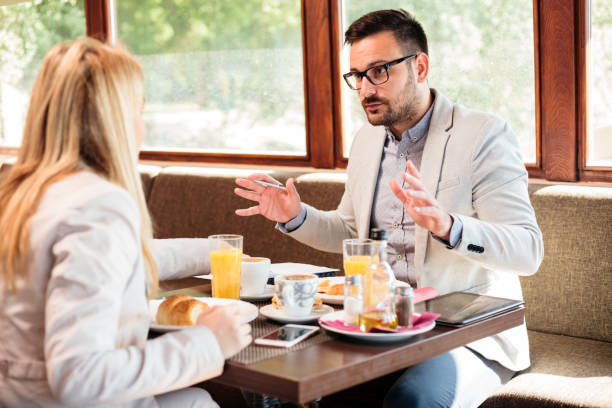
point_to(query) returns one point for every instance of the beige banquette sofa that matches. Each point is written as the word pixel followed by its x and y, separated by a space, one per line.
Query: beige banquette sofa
pixel 568 301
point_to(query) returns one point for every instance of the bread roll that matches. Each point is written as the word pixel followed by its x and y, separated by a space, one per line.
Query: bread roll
pixel 180 310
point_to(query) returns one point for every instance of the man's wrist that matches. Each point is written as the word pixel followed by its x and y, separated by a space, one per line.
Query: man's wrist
pixel 445 233
pixel 295 222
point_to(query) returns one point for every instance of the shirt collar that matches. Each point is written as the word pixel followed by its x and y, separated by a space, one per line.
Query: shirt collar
pixel 415 133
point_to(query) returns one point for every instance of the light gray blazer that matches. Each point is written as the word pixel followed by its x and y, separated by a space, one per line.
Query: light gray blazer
pixel 472 163
pixel 76 334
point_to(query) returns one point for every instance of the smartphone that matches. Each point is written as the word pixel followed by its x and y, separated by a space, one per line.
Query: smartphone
pixel 287 335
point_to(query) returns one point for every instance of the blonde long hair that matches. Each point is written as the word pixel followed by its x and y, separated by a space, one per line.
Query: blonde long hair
pixel 81 111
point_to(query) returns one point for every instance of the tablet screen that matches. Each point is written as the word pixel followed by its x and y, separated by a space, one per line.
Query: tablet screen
pixel 460 308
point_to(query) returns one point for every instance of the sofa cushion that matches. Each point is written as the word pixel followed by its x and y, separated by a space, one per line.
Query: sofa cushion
pixel 571 293
pixel 565 372
pixel 147 175
pixel 197 202
pixel 321 190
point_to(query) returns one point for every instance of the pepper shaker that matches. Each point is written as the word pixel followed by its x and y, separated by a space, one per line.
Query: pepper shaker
pixel 404 305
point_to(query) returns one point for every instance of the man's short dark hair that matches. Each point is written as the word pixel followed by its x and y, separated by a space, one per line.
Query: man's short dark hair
pixel 407 31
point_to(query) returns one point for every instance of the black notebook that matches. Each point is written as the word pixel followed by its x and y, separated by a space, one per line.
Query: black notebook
pixel 461 308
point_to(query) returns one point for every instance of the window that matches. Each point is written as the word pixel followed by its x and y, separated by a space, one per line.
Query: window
pixel 599 132
pixel 28 30
pixel 220 76
pixel 481 56
pixel 206 61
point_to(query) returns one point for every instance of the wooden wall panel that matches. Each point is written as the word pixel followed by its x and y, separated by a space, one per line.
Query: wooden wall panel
pixel 318 87
pixel 558 89
pixel 97 17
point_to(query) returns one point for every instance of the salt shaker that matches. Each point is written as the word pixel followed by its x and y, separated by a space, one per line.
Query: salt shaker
pixel 353 299
pixel 404 305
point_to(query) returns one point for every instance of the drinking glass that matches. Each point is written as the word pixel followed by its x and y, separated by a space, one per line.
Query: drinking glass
pixel 225 263
pixel 357 255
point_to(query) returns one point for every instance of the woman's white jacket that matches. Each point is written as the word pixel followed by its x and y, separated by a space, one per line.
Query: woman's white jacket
pixel 76 333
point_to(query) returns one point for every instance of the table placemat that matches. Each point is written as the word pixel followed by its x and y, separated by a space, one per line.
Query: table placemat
pixel 262 326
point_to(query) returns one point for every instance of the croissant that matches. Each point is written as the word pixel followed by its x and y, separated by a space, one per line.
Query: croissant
pixel 180 310
pixel 336 289
pixel 323 286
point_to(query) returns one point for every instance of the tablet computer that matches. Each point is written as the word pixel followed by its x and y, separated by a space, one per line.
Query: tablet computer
pixel 461 308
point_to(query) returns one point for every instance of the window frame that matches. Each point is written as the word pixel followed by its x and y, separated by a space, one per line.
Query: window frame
pixel 561 30
pixel 583 21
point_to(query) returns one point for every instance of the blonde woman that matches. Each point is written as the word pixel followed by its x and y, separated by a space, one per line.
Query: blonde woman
pixel 77 261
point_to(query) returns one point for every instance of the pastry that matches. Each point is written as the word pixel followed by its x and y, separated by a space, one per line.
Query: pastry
pixel 336 289
pixel 180 310
pixel 323 286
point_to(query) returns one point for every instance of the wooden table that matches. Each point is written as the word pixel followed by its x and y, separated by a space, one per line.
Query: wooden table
pixel 340 363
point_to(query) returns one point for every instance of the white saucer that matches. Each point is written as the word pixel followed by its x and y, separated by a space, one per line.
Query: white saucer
pixel 277 314
pixel 247 310
pixel 268 293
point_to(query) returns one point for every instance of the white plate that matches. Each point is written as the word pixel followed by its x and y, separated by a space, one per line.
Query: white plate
pixel 277 314
pixel 375 337
pixel 332 299
pixel 247 310
pixel 268 293
pixel 339 299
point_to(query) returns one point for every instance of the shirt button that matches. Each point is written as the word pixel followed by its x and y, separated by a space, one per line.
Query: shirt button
pixel 399 257
pixel 402 155
pixel 395 225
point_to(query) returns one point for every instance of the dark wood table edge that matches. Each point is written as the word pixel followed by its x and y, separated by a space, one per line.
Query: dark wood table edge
pixel 301 391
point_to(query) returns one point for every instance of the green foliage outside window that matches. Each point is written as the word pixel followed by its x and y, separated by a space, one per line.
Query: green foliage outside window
pixel 28 30
pixel 481 56
pixel 220 75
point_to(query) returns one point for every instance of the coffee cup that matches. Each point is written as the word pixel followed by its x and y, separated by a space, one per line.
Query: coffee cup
pixel 254 276
pixel 296 293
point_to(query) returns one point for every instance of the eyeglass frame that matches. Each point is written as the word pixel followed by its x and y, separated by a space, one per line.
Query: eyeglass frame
pixel 386 66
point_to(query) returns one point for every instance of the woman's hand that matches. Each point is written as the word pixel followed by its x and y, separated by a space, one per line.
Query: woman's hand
pixel 232 332
pixel 280 205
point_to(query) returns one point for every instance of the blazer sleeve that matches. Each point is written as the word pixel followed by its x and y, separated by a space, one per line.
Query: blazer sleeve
pixel 504 234
pixel 96 251
pixel 325 230
pixel 181 257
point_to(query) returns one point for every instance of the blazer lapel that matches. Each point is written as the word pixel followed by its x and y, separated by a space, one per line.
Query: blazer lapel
pixel 431 166
pixel 368 175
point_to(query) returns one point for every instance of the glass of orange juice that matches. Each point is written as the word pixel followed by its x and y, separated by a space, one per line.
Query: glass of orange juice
pixel 357 254
pixel 225 263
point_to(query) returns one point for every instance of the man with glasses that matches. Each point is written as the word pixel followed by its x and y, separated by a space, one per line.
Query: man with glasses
pixel 450 187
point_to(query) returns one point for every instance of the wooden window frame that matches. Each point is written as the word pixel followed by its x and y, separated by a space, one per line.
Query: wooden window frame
pixel 583 21
pixel 561 29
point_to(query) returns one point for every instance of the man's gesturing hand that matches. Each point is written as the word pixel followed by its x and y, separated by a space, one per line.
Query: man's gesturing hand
pixel 273 203
pixel 421 205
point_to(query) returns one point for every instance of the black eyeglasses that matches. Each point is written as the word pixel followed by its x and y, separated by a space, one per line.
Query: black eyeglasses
pixel 377 75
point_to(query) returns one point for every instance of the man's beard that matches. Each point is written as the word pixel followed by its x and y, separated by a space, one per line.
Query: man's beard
pixel 404 112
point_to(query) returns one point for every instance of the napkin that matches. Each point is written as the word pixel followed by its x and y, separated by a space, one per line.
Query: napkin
pixel 423 294
pixel 418 322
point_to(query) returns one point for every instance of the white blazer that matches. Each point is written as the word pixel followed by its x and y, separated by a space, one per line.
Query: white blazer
pixel 472 163
pixel 76 333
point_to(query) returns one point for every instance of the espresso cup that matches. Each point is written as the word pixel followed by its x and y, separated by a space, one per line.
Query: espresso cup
pixel 254 276
pixel 296 293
